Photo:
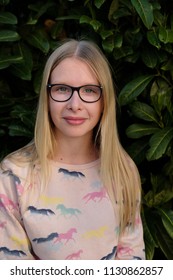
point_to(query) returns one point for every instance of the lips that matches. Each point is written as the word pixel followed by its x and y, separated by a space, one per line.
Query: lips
pixel 74 120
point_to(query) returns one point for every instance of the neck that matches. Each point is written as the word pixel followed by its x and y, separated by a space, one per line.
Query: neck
pixel 76 151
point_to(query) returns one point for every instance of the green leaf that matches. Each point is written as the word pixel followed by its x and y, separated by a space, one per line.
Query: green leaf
pixel 95 24
pixel 85 19
pixel 4 65
pixel 139 130
pixel 153 199
pixel 122 52
pixel 23 70
pixel 144 111
pixel 149 241
pixel 168 65
pixel 159 143
pixel 118 41
pixel 113 8
pixel 99 3
pixel 4 2
pixel 70 17
pixel 163 239
pixel 167 219
pixel 137 150
pixel 156 182
pixel 120 13
pixel 133 58
pixel 108 44
pixel 161 95
pixel 10 55
pixel 10 59
pixel 106 33
pixel 26 116
pixel 149 57
pixel 8 18
pixel 153 39
pixel 39 9
pixel 165 35
pixel 8 36
pixel 133 37
pixel 159 18
pixel 135 87
pixel 20 130
pixel 145 11
pixel 39 40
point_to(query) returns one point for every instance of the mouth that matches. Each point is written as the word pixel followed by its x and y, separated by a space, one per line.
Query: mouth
pixel 74 120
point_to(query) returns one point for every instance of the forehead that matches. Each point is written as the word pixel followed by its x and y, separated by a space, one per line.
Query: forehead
pixel 73 70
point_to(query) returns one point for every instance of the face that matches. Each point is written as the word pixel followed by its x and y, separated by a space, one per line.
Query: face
pixel 74 118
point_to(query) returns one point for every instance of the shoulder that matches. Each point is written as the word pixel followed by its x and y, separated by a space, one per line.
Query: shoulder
pixel 17 164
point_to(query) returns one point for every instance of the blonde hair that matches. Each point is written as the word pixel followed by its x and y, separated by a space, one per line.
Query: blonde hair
pixel 118 172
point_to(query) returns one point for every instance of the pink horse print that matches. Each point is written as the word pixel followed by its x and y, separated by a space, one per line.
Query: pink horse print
pixel 95 196
pixel 74 256
pixel 7 203
pixel 66 236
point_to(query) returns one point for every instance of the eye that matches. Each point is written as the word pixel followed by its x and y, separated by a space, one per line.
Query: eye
pixel 91 89
pixel 88 90
pixel 61 89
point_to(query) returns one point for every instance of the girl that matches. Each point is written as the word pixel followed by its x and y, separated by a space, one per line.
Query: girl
pixel 73 193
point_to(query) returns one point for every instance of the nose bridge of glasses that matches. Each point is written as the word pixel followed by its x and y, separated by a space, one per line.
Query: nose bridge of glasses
pixel 77 90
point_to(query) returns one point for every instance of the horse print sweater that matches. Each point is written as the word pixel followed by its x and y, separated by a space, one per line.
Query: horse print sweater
pixel 72 218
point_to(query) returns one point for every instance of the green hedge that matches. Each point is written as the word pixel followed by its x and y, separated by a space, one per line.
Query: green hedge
pixel 137 38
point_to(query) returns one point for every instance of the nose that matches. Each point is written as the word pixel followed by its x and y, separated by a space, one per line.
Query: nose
pixel 75 103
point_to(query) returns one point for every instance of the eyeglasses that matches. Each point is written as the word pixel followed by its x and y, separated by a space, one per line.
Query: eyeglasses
pixel 62 93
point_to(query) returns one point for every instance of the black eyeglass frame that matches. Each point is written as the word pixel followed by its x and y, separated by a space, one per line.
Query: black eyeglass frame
pixel 49 86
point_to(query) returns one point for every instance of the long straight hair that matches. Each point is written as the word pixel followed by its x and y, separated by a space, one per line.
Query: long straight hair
pixel 118 172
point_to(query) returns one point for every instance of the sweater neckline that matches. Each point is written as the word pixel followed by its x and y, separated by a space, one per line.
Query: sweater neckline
pixel 75 166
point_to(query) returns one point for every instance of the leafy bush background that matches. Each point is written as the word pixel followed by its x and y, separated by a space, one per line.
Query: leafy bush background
pixel 137 38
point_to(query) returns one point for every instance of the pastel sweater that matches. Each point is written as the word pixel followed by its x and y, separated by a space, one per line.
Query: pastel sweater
pixel 72 218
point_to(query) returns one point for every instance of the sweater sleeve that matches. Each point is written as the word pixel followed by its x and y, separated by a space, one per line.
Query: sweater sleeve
pixel 131 242
pixel 14 243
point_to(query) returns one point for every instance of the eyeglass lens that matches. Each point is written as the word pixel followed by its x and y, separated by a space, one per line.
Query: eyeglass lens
pixel 88 93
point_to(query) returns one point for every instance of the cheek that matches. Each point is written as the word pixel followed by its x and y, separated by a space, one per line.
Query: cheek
pixel 96 115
